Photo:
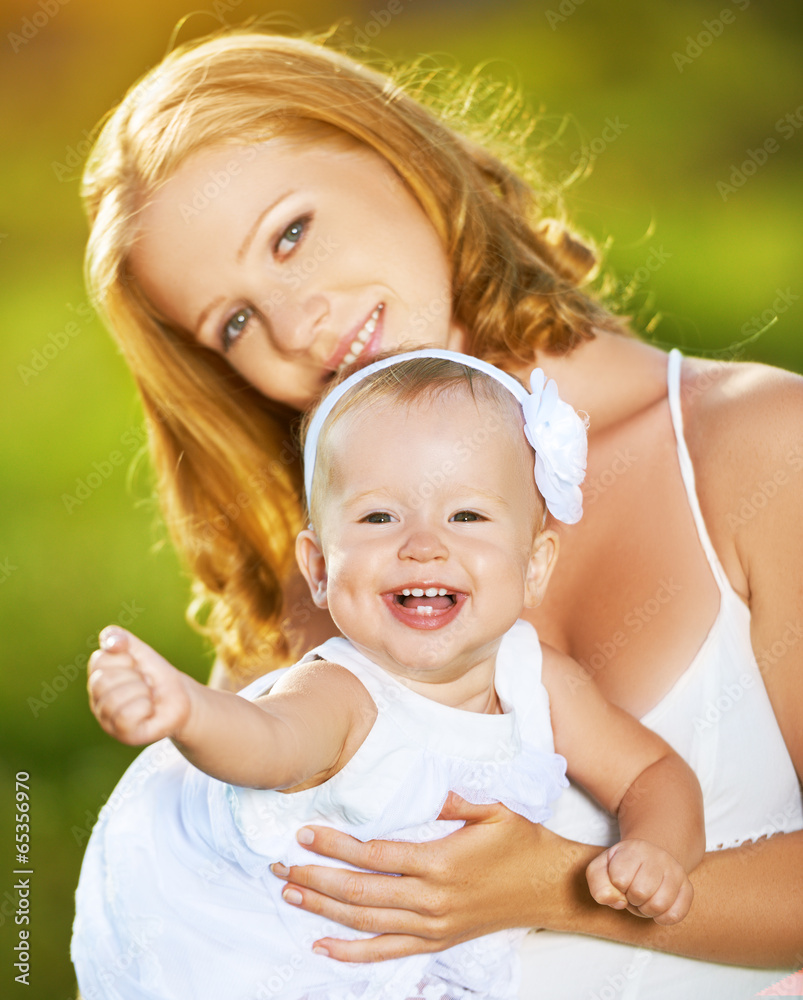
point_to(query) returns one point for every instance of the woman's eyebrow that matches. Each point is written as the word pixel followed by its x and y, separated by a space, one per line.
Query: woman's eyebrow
pixel 240 254
pixel 249 236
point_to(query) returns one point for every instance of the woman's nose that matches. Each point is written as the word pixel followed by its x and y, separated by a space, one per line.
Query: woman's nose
pixel 423 545
pixel 296 320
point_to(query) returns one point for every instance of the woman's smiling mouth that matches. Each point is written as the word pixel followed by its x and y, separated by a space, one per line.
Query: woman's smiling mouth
pixel 357 342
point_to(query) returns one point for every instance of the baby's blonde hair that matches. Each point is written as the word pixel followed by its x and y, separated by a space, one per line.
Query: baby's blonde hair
pixel 226 462
pixel 405 384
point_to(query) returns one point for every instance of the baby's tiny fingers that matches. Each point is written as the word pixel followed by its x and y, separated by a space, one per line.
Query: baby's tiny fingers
pixel 113 639
pixel 109 703
pixel 678 909
pixel 600 885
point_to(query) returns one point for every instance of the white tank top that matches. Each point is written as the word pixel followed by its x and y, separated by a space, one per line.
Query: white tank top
pixel 719 718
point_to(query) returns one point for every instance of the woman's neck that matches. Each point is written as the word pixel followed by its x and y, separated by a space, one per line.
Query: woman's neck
pixel 610 377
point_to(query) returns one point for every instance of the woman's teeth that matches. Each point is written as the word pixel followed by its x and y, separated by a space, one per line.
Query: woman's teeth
pixel 362 338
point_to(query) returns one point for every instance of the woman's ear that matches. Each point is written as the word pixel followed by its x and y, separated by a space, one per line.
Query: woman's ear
pixel 309 556
pixel 542 561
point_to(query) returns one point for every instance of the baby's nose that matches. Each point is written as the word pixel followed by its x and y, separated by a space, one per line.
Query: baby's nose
pixel 423 545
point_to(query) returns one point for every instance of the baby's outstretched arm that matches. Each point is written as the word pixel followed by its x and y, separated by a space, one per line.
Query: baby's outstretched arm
pixel 303 731
pixel 634 774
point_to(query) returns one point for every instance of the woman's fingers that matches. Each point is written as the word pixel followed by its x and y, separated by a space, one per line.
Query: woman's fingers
pixel 370 919
pixel 457 808
pixel 375 949
pixel 345 886
pixel 392 857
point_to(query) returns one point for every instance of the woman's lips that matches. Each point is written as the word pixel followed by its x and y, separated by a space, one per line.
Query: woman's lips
pixel 365 338
pixel 412 615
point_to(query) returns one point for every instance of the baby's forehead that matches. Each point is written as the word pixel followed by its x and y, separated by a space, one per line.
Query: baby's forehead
pixel 461 421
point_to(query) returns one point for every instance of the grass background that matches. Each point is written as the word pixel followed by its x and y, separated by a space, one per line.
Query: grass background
pixel 690 100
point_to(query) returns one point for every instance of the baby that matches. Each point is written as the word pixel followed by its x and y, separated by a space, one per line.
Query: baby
pixel 427 476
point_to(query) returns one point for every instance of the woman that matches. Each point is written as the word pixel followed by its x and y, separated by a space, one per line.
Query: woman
pixel 264 210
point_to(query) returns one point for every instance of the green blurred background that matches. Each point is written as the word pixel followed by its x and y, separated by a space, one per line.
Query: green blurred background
pixel 667 105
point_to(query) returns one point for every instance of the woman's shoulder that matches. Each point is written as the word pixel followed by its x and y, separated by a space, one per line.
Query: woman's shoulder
pixel 743 425
pixel 754 408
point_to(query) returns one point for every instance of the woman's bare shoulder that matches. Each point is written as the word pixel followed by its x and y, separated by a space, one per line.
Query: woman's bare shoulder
pixel 739 408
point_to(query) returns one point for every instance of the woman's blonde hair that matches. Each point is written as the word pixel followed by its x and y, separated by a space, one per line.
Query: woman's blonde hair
pixel 226 462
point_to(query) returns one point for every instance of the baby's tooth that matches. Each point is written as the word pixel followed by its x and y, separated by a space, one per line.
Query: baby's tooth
pixel 417 592
pixel 405 593
pixel 425 609
pixel 443 592
pixel 431 592
pixel 349 358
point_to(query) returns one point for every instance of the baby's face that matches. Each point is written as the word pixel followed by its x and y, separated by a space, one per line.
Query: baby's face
pixel 427 526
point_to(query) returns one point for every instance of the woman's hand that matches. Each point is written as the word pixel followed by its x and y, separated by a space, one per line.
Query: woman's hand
pixel 482 878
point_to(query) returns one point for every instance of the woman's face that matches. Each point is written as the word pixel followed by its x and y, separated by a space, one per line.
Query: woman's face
pixel 291 259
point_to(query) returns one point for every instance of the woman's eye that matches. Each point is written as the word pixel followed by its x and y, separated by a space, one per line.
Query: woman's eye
pixel 466 515
pixel 235 325
pixel 378 517
pixel 291 236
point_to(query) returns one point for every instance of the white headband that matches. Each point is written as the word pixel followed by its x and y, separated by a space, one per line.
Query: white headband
pixel 553 428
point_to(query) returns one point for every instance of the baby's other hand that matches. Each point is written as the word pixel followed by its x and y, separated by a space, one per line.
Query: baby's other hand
pixel 643 878
pixel 135 694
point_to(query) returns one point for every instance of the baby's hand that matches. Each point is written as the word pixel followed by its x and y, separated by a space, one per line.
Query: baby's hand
pixel 642 877
pixel 135 694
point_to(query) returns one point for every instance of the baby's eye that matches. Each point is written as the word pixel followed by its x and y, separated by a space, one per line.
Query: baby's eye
pixel 377 517
pixel 291 236
pixel 234 326
pixel 466 515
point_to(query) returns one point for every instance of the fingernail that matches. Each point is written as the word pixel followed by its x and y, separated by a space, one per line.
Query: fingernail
pixel 305 836
pixel 318 950
pixel 279 869
pixel 109 638
pixel 292 896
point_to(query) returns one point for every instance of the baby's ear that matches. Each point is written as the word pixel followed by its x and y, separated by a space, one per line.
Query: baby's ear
pixel 539 570
pixel 309 556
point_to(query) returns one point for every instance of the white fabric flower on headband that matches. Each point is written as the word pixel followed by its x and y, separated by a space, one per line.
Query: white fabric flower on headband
pixel 558 436
pixel 553 428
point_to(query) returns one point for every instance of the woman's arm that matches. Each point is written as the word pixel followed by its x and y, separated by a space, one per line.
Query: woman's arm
pixel 297 734
pixel 502 871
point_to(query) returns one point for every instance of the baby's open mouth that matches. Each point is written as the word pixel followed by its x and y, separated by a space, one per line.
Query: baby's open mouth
pixel 425 602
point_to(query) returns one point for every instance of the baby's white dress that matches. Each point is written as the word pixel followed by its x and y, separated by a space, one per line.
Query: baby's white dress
pixel 176 900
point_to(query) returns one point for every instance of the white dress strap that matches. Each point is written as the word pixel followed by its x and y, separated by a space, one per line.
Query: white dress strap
pixel 673 374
